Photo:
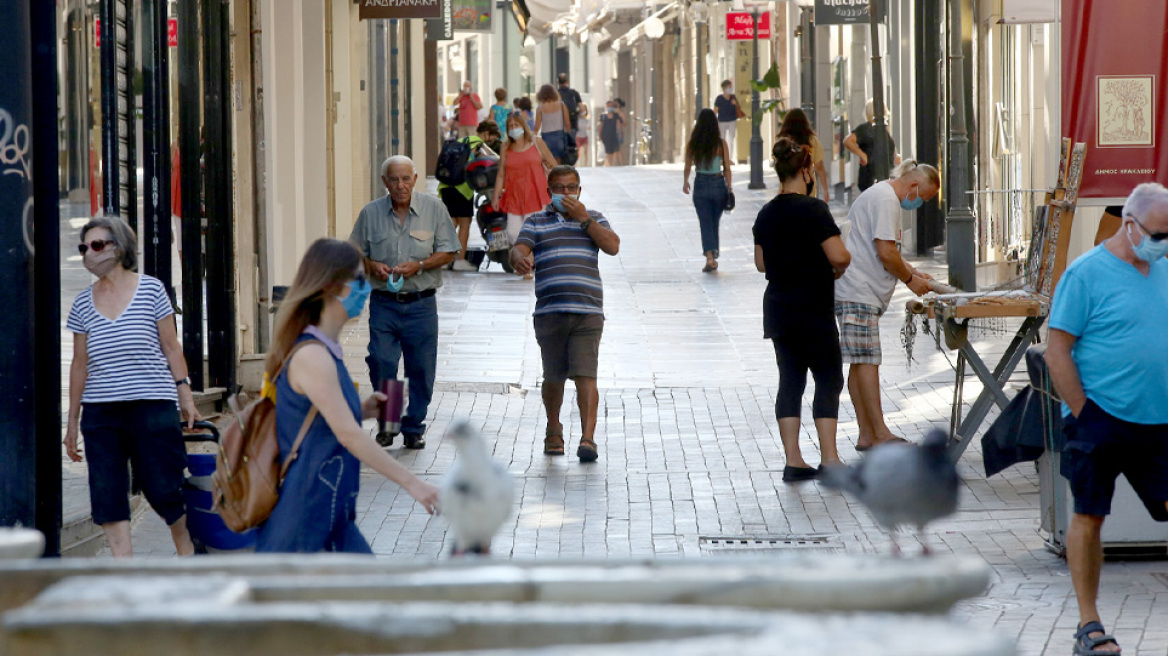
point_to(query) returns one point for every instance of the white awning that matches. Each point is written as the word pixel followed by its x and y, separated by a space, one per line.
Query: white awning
pixel 543 14
pixel 632 36
pixel 1029 11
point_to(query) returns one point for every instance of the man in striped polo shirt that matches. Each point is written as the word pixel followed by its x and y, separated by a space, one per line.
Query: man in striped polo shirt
pixel 561 245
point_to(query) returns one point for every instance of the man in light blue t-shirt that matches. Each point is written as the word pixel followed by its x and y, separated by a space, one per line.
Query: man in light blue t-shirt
pixel 1108 357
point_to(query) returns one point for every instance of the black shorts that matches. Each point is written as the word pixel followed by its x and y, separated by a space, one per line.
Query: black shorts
pixel 569 344
pixel 147 436
pixel 459 206
pixel 611 145
pixel 1100 447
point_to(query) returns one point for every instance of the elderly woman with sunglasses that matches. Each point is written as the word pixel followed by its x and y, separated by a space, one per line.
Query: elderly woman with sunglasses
pixel 127 382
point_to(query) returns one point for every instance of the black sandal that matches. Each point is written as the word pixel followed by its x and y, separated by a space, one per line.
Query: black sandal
pixel 587 452
pixel 553 443
pixel 1086 645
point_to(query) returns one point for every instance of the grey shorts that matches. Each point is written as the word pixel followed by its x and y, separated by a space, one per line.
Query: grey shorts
pixel 569 343
pixel 859 331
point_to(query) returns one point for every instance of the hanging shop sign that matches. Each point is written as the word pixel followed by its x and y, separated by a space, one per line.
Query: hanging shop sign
pixel 473 15
pixel 1113 99
pixel 740 25
pixel 441 28
pixel 172 32
pixel 847 12
pixel 400 9
pixel 97 33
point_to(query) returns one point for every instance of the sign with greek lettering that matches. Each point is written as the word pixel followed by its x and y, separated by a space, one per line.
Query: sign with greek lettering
pixel 400 9
pixel 740 26
pixel 846 12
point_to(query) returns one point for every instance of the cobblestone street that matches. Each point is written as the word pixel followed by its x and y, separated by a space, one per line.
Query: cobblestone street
pixel 689 446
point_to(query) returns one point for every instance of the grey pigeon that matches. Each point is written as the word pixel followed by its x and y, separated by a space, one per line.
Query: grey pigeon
pixel 902 484
pixel 476 495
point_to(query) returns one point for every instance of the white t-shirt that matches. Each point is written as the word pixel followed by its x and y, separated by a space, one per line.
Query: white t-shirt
pixel 126 362
pixel 874 215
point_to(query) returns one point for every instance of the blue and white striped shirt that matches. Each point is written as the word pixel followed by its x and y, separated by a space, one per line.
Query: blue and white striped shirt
pixel 567 272
pixel 125 355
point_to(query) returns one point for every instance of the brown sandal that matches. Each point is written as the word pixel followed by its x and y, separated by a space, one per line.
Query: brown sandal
pixel 553 443
pixel 586 452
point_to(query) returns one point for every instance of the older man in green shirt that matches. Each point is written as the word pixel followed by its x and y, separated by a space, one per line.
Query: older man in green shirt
pixel 407 238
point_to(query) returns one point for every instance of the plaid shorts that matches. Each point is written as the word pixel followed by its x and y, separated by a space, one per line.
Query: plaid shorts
pixel 859 325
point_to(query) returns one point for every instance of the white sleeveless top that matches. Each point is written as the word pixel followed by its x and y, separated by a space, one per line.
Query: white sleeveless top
pixel 552 121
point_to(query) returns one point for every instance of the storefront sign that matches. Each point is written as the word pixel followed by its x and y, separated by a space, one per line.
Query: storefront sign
pixel 473 15
pixel 441 28
pixel 172 32
pixel 740 25
pixel 1113 98
pixel 399 9
pixel 846 12
pixel 97 33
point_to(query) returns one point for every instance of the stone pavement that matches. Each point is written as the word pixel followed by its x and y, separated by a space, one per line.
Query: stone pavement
pixel 689 445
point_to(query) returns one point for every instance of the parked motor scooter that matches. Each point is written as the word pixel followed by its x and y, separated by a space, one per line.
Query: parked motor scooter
pixel 493 226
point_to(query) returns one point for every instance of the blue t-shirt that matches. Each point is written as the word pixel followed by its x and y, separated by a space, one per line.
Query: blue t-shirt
pixel 1119 318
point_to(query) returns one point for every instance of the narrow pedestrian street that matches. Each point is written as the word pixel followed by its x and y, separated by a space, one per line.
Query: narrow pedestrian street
pixel 689 446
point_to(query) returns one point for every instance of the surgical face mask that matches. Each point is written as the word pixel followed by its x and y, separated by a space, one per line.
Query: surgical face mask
pixel 100 263
pixel 913 204
pixel 395 282
pixel 515 133
pixel 558 200
pixel 354 303
pixel 727 89
pixel 1148 250
pixel 610 110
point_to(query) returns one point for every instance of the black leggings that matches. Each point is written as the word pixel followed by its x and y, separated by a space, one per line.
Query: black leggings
pixel 819 351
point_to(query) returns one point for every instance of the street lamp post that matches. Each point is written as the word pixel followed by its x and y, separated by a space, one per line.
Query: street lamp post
pixel 959 220
pixel 880 159
pixel 755 124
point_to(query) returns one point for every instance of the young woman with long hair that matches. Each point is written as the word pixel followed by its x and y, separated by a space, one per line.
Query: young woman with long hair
pixel 797 128
pixel 708 152
pixel 317 506
pixel 797 245
pixel 551 121
pixel 521 188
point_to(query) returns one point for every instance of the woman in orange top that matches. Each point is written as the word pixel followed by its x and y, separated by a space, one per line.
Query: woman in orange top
pixel 521 190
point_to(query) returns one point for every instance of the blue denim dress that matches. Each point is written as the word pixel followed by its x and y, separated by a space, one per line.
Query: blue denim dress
pixel 317 510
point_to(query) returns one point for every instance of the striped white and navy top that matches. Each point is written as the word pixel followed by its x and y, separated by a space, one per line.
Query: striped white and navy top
pixel 567 272
pixel 125 356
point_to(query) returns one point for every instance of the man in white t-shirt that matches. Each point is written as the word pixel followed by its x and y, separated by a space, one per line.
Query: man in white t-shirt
pixel 863 292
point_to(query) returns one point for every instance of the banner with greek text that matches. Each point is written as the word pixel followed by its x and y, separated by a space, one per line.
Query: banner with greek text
pixel 1115 59
pixel 399 9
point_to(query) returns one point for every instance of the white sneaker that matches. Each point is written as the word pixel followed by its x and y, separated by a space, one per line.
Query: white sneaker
pixel 463 265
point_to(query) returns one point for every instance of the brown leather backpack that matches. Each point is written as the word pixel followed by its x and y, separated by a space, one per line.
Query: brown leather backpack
pixel 248 472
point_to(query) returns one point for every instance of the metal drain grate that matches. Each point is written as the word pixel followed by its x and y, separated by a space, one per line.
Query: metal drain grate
pixel 748 545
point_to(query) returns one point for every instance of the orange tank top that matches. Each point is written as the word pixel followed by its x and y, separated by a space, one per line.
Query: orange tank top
pixel 524 182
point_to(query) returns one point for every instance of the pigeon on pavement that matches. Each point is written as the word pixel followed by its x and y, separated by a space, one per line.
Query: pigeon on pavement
pixel 902 484
pixel 476 495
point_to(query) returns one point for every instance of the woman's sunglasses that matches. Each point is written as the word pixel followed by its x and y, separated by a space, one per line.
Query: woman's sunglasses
pixel 98 245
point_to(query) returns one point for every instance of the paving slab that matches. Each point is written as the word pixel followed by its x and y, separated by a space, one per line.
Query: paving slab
pixel 688 441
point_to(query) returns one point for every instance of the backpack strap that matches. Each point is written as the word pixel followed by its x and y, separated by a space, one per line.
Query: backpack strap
pixel 312 412
pixel 308 419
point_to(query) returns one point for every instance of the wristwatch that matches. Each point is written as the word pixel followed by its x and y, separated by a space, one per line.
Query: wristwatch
pixel 183 381
pixel 585 223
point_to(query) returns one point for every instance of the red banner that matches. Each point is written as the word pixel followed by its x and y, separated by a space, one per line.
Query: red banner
pixel 740 26
pixel 1115 63
pixel 172 32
